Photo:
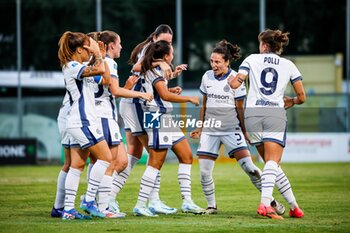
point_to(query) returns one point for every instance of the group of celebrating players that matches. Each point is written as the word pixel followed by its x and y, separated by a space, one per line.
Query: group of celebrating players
pixel 88 122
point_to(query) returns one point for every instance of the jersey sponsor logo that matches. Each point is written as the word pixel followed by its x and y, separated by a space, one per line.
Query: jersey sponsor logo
pixel 261 102
pixel 90 80
pixel 208 86
pixel 218 98
pixel 215 96
pixel 74 64
pixel 98 102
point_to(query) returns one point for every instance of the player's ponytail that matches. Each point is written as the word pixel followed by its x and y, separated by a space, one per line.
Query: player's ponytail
pixel 275 39
pixel 229 51
pixel 156 51
pixel 108 37
pixel 163 28
pixel 68 44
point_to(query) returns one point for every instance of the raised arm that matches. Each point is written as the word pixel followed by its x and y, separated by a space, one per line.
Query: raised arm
pixel 122 92
pixel 196 133
pixel 166 95
pixel 98 67
pixel 235 82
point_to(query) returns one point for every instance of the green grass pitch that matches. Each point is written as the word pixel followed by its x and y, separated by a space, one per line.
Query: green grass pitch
pixel 323 191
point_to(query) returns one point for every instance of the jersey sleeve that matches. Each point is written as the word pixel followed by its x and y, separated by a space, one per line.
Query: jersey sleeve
pixel 75 69
pixel 113 68
pixel 155 76
pixel 241 92
pixel 244 68
pixel 295 73
pixel 202 88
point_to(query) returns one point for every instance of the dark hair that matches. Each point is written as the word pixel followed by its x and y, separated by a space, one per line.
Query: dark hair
pixel 108 37
pixel 163 28
pixel 229 51
pixel 275 39
pixel 68 44
pixel 155 51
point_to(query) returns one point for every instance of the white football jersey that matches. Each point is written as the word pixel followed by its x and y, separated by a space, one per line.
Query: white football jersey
pixel 148 81
pixel 81 94
pixel 138 85
pixel 220 104
pixel 269 75
pixel 104 100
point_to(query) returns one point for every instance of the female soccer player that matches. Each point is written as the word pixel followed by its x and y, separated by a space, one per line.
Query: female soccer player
pixel 132 114
pixel 107 113
pixel 226 105
pixel 265 114
pixel 74 49
pixel 162 138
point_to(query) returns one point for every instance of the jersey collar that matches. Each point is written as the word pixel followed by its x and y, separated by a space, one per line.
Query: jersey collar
pixel 224 76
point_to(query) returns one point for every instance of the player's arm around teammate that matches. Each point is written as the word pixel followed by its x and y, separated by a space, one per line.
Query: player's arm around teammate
pixel 132 114
pixel 161 139
pixel 215 89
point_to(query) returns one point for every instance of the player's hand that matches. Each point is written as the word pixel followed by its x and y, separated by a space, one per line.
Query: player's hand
pixel 166 70
pixel 179 69
pixel 195 134
pixel 231 77
pixel 288 102
pixel 176 90
pixel 103 49
pixel 147 96
pixel 132 80
pixel 194 100
pixel 246 136
pixel 93 47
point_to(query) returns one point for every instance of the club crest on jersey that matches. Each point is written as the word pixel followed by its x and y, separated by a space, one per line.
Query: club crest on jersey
pixel 165 139
pixel 98 131
pixel 226 88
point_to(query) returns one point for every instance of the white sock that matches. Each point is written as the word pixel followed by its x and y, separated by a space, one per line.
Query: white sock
pixel 104 191
pixel 89 167
pixel 285 188
pixel 96 174
pixel 60 192
pixel 252 171
pixel 71 187
pixel 146 186
pixel 184 178
pixel 206 167
pixel 120 179
pixel 154 196
pixel 268 179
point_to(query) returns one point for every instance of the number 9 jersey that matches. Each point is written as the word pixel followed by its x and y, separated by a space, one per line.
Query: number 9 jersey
pixel 269 75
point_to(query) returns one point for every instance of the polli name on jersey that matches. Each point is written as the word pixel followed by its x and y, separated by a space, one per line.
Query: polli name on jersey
pixel 272 60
